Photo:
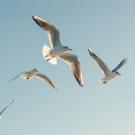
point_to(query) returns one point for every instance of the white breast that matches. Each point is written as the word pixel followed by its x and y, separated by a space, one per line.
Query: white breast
pixel 107 78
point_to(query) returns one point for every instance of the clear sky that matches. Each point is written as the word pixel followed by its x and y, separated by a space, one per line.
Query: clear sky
pixel 108 27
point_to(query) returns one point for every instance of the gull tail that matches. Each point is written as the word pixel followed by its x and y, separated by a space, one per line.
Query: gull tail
pixel 46 54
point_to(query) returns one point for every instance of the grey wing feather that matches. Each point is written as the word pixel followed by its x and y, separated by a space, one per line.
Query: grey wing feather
pixel 53 32
pixel 120 65
pixel 45 78
pixel 100 62
pixel 74 65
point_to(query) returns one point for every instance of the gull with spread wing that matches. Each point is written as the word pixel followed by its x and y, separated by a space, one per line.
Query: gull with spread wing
pixel 109 74
pixel 57 50
pixel 5 108
pixel 34 73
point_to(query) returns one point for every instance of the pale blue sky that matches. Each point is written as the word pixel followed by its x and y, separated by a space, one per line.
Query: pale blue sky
pixel 108 27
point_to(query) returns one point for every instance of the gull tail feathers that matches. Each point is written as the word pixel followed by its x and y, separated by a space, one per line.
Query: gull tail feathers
pixel 46 54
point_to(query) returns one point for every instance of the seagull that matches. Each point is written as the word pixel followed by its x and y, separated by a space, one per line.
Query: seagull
pixel 59 51
pixel 34 73
pixel 109 74
pixel 54 39
pixel 6 107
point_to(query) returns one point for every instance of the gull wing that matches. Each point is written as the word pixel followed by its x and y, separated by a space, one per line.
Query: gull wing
pixel 100 62
pixel 44 78
pixel 16 76
pixel 7 106
pixel 120 65
pixel 53 32
pixel 74 65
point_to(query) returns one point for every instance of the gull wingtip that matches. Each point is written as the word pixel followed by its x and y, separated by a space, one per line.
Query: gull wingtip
pixel 89 49
pixel 56 88
pixel 126 59
pixel 80 82
pixel 81 85
pixel 11 80
pixel 34 17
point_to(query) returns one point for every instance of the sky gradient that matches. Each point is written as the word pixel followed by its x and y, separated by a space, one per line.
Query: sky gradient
pixel 108 28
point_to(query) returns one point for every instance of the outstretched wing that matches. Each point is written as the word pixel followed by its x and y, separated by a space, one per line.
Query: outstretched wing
pixel 74 65
pixel 100 62
pixel 45 78
pixel 16 76
pixel 120 65
pixel 53 32
pixel 7 106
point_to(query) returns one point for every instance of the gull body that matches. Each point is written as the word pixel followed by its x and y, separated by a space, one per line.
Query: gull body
pixel 5 108
pixel 34 73
pixel 109 77
pixel 109 74
pixel 59 51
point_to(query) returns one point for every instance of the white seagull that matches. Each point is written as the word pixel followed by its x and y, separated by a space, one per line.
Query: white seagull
pixel 34 73
pixel 109 74
pixel 6 107
pixel 59 51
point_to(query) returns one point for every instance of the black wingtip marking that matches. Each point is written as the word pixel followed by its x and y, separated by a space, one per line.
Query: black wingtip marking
pixel 79 82
pixel 36 21
pixel 90 52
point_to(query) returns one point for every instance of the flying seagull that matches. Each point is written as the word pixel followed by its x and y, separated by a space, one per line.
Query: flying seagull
pixel 6 107
pixel 109 74
pixel 34 73
pixel 59 51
